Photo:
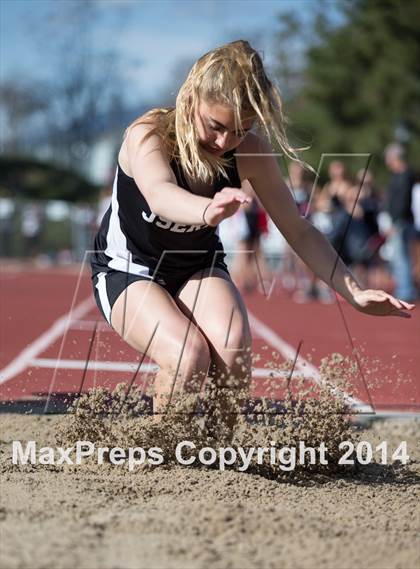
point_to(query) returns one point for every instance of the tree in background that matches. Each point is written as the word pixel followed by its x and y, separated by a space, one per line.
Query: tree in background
pixel 86 85
pixel 356 85
pixel 61 114
pixel 19 103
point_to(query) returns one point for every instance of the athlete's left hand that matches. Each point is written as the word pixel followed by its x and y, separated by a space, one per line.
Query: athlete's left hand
pixel 380 303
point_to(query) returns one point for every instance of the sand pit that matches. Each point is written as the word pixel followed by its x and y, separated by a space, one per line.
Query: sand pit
pixel 169 516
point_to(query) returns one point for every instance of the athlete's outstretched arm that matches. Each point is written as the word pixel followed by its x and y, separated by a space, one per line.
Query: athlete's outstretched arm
pixel 310 244
pixel 156 180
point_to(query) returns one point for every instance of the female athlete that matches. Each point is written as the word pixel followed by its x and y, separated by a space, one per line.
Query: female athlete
pixel 159 274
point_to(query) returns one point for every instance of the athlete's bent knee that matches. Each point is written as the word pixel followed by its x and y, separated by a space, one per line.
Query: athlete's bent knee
pixel 187 359
pixel 236 337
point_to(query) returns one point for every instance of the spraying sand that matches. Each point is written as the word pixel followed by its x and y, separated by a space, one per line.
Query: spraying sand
pixel 169 516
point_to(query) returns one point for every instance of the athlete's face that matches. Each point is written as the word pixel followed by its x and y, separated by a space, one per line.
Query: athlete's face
pixel 216 127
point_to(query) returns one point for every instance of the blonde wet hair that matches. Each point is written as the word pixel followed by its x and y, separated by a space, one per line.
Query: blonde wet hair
pixel 232 75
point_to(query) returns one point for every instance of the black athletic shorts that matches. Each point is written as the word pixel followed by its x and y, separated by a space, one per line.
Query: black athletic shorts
pixel 109 284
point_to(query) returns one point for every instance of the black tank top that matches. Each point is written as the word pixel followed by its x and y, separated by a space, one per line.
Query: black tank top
pixel 131 238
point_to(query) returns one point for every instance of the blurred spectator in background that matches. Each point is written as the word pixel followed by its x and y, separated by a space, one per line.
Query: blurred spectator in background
pixel 360 239
pixel 329 216
pixel 104 202
pixel 339 182
pixel 249 267
pixel 296 277
pixel 83 226
pixel 399 207
pixel 323 217
pixel 415 208
pixel 300 185
pixel 31 227
pixel 7 212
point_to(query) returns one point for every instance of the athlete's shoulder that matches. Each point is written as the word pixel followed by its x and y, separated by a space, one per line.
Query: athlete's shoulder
pixel 253 154
pixel 254 143
pixel 142 137
pixel 139 128
pixel 144 158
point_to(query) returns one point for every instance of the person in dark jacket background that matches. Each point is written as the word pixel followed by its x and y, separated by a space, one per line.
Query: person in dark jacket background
pixel 399 207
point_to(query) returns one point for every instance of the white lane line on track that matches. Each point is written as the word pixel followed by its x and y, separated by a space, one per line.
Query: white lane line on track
pixel 92 365
pixel 28 355
pixel 22 360
pixel 52 363
pixel 302 364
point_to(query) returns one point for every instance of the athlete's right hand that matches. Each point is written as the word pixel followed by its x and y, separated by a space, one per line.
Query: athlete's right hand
pixel 224 204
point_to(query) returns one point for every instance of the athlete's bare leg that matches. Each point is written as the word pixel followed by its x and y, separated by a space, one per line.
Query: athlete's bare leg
pixel 217 309
pixel 178 347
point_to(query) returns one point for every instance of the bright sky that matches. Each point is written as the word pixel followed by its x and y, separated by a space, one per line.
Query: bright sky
pixel 151 37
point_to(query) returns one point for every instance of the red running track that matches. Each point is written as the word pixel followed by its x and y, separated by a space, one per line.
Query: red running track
pixel 36 333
